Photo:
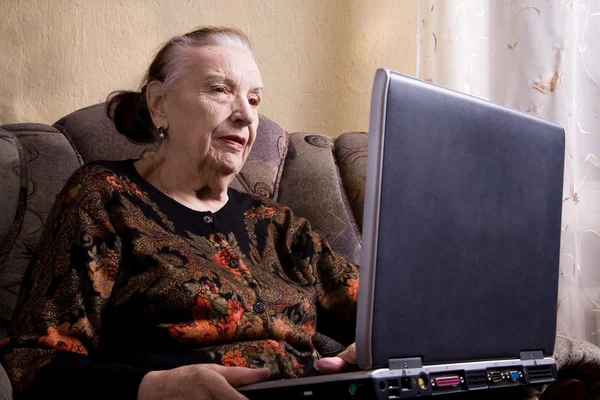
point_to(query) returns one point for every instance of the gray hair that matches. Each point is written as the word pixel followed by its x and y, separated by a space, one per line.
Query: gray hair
pixel 168 65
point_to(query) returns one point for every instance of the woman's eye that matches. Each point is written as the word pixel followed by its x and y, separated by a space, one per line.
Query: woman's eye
pixel 253 102
pixel 220 89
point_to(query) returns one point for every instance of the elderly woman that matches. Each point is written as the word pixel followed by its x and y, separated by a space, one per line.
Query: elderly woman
pixel 155 279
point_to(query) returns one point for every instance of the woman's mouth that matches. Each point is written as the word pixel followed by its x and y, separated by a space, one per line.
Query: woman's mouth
pixel 235 141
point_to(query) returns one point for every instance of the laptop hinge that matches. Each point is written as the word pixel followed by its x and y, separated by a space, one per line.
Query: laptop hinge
pixel 532 355
pixel 405 363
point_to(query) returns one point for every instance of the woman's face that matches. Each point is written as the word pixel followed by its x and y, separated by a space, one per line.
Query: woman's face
pixel 212 112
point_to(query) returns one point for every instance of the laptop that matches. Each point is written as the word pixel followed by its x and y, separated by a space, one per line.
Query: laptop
pixel 460 253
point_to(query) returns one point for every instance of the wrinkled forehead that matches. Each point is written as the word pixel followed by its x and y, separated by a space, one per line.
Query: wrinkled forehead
pixel 230 63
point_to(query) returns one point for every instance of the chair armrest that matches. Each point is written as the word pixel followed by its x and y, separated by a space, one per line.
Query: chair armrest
pixel 311 186
pixel 578 363
pixel 351 158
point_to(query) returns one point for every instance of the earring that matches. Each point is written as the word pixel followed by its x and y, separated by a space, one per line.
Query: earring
pixel 161 133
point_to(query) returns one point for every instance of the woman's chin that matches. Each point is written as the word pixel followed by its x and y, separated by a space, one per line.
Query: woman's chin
pixel 230 167
pixel 223 165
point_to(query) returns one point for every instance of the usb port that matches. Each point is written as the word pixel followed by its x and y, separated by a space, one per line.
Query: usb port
pixel 405 383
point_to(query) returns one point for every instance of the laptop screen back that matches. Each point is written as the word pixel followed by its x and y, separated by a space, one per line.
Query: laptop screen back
pixel 461 229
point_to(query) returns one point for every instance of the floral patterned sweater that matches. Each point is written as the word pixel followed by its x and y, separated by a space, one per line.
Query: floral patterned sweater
pixel 127 281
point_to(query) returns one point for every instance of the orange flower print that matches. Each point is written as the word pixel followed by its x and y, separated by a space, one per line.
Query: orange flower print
pixel 268 212
pixel 252 349
pixel 201 308
pixel 234 358
pixel 253 328
pixel 235 310
pixel 136 190
pixel 260 213
pixel 222 258
pixel 281 327
pixel 274 347
pixel 114 182
pixel 225 256
pixel 353 289
pixel 200 331
pixel 63 338
pixel 309 328
pixel 297 366
pixel 226 328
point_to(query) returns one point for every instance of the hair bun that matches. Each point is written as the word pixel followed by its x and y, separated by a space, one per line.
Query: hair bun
pixel 131 116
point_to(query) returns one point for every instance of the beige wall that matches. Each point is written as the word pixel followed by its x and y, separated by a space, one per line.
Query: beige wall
pixel 318 57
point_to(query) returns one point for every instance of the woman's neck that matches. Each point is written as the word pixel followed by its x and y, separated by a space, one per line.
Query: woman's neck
pixel 197 187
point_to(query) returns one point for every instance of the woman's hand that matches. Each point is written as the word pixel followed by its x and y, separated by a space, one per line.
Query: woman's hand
pixel 199 381
pixel 339 363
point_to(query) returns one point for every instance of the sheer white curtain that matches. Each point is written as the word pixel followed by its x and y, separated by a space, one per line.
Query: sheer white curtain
pixel 542 57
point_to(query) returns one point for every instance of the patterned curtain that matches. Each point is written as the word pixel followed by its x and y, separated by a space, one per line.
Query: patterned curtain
pixel 542 57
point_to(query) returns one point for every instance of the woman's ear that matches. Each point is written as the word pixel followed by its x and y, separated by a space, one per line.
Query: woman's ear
pixel 155 98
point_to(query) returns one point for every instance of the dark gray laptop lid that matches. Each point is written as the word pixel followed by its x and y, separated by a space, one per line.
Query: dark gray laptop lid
pixel 461 230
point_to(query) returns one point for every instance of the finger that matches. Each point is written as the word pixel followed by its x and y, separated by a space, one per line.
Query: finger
pixel 349 355
pixel 331 365
pixel 238 376
pixel 219 389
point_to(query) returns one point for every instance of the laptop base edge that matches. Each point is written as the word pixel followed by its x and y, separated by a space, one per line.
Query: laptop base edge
pixel 434 380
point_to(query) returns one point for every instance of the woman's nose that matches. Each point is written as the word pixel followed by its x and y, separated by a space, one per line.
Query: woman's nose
pixel 243 112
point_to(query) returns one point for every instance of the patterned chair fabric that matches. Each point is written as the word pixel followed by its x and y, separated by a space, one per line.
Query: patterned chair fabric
pixel 36 162
pixel 311 186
